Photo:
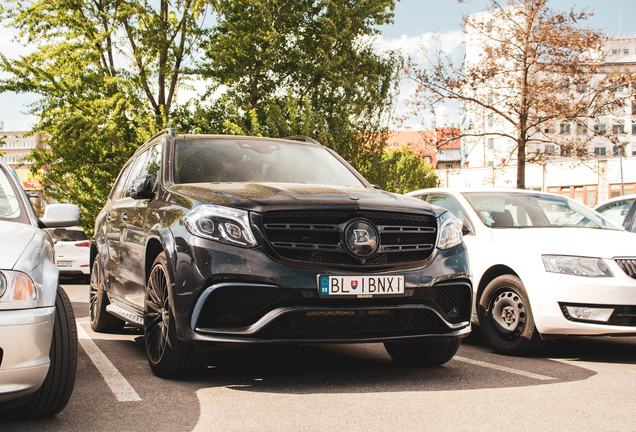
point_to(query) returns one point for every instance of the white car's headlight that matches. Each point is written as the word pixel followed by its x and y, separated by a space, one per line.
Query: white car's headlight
pixel 450 231
pixel 577 266
pixel 17 287
pixel 222 224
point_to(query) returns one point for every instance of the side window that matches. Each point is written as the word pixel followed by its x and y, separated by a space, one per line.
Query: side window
pixel 119 186
pixel 135 172
pixel 153 165
pixel 447 202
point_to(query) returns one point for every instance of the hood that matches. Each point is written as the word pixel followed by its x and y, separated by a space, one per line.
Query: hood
pixel 259 197
pixel 588 242
pixel 14 238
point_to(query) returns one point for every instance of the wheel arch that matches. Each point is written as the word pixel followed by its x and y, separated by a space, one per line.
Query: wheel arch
pixel 491 274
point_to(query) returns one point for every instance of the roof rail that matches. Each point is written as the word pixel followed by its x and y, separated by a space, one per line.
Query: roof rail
pixel 302 138
pixel 163 131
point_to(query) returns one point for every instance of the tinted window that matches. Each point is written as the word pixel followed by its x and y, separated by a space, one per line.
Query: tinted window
pixel 266 161
pixel 121 182
pixel 68 235
pixel 616 211
pixel 135 172
pixel 153 165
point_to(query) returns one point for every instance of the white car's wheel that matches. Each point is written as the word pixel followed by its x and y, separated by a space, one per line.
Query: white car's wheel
pixel 505 318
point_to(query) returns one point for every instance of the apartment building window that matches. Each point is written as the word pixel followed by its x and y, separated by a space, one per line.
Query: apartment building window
pixel 599 151
pixel 616 150
pixel 491 99
pixel 395 144
pixel 489 26
pixel 565 128
pixel 618 129
pixel 491 120
pixel 633 107
pixel 491 143
pixel 583 194
pixel 549 149
pixel 626 51
pixel 449 166
pixel 581 88
pixel 549 129
pixel 633 128
pixel 599 129
pixel 491 163
pixel 9 144
pixel 581 129
pixel 615 51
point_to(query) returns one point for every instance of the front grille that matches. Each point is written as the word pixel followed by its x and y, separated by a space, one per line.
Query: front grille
pixel 316 236
pixel 354 324
pixel 241 306
pixel 628 265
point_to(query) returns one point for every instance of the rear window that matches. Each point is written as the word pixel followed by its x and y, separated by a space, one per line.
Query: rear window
pixel 68 235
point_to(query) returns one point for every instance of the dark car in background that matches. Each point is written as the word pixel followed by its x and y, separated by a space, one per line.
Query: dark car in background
pixel 212 241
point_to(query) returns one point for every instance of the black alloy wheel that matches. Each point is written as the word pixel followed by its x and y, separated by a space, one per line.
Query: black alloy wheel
pixel 167 355
pixel 505 318
pixel 101 321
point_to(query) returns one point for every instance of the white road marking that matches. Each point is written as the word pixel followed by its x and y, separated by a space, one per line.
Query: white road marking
pixel 120 387
pixel 502 368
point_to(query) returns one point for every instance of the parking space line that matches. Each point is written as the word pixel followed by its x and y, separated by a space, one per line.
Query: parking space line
pixel 120 387
pixel 502 368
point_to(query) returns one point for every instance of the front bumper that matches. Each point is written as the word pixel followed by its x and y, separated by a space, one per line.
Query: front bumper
pixel 224 294
pixel 551 293
pixel 25 341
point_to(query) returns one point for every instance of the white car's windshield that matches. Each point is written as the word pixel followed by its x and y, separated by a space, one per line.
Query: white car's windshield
pixel 266 161
pixel 523 210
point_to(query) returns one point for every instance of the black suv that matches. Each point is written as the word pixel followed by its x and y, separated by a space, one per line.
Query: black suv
pixel 210 240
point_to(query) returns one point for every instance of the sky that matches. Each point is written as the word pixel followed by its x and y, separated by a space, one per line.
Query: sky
pixel 415 22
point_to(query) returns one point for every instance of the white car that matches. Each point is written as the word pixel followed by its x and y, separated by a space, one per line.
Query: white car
pixel 543 266
pixel 38 335
pixel 72 251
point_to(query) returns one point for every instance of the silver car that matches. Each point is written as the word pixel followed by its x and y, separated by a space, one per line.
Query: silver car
pixel 38 336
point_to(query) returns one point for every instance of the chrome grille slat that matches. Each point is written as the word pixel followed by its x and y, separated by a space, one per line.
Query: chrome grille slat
pixel 628 265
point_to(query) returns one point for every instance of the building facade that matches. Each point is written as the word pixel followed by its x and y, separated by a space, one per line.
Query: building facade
pixel 14 148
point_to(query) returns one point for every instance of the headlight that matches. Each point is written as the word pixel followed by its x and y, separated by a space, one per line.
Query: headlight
pixel 450 231
pixel 577 266
pixel 17 286
pixel 222 224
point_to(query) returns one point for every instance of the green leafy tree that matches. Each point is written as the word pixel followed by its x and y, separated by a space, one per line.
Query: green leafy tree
pixel 402 171
pixel 108 72
pixel 306 67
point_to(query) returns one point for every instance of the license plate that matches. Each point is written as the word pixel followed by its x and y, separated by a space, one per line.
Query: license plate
pixel 65 263
pixel 361 286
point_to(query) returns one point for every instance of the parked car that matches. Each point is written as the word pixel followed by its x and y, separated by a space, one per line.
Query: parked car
pixel 72 251
pixel 38 336
pixel 543 267
pixel 620 210
pixel 209 241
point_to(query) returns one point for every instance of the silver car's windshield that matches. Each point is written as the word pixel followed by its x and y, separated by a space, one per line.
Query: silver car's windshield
pixel 265 161
pixel 11 206
pixel 522 210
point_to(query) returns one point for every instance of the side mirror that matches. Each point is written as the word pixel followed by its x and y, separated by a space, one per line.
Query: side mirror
pixel 466 228
pixel 375 186
pixel 142 188
pixel 60 215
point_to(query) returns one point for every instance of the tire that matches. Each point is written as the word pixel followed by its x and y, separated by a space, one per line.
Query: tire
pixel 167 355
pixel 505 318
pixel 55 392
pixel 423 352
pixel 101 321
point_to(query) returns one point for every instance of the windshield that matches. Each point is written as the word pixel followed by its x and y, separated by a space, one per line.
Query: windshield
pixel 523 210
pixel 267 161
pixel 11 206
pixel 67 235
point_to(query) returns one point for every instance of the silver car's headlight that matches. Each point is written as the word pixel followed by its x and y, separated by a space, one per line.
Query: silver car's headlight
pixel 577 266
pixel 222 224
pixel 17 287
pixel 450 231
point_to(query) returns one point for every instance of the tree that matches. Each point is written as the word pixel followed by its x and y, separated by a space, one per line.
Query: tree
pixel 108 73
pixel 270 55
pixel 403 171
pixel 529 72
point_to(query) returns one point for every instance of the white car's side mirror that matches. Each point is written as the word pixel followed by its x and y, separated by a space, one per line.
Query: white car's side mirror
pixel 60 215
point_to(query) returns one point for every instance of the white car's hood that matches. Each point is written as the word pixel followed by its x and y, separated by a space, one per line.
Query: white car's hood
pixel 14 238
pixel 589 242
